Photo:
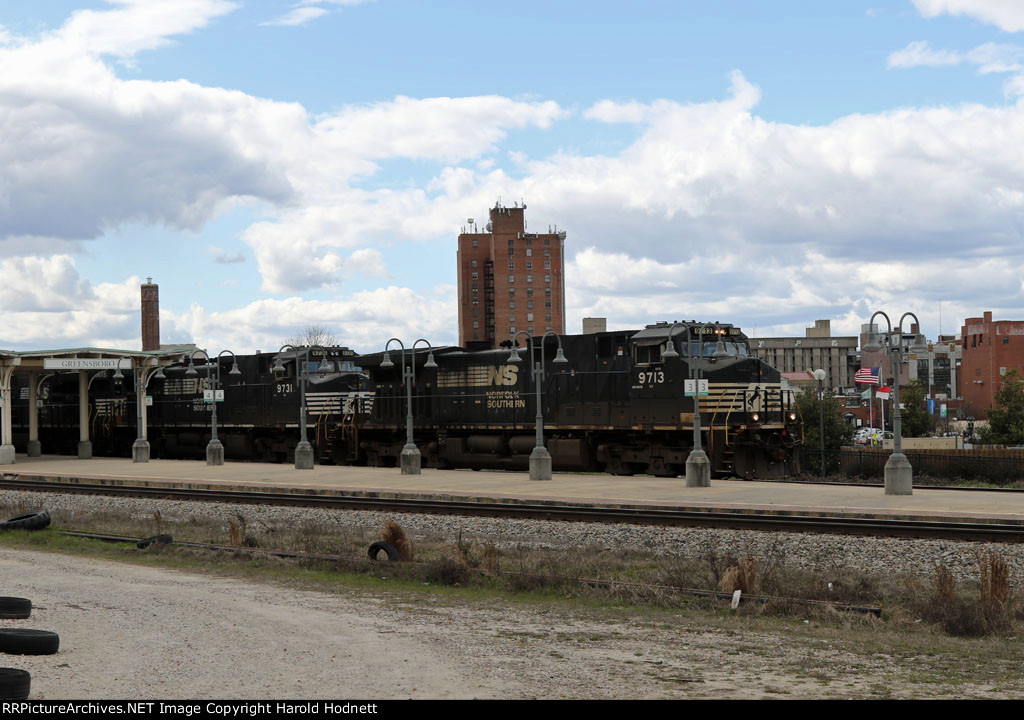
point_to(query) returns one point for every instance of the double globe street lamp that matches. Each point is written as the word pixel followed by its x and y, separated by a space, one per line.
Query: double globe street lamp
pixel 303 451
pixel 141 376
pixel 214 448
pixel 698 467
pixel 540 458
pixel 820 376
pixel 410 458
pixel 899 475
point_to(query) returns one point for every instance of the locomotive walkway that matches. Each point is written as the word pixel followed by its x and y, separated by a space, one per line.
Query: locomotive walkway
pixel 516 487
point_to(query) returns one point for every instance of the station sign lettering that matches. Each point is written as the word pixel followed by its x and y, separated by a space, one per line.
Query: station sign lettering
pixel 86 363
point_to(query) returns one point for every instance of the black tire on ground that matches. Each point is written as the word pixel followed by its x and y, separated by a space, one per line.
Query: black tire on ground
pixel 16 641
pixel 161 539
pixel 14 684
pixel 388 548
pixel 15 607
pixel 29 521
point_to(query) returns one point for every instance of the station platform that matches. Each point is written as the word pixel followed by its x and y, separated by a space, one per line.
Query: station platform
pixel 599 490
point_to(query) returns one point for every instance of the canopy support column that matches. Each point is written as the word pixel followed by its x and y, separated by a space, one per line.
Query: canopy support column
pixel 35 449
pixel 84 445
pixel 6 441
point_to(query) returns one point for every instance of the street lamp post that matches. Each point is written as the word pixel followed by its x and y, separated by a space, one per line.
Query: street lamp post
pixel 303 451
pixel 540 458
pixel 899 475
pixel 409 459
pixel 214 448
pixel 140 380
pixel 698 467
pixel 819 375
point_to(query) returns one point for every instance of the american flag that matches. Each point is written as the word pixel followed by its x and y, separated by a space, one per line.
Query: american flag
pixel 868 376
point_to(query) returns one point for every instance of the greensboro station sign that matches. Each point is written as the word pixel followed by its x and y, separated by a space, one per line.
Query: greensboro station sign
pixel 86 363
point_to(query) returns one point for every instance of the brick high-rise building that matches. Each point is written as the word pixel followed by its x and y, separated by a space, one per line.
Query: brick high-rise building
pixel 509 279
pixel 991 348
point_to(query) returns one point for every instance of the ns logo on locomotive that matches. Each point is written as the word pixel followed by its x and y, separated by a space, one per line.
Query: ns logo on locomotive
pixel 618 406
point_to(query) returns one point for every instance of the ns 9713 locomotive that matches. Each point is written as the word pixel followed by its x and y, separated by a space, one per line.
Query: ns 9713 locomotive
pixel 617 404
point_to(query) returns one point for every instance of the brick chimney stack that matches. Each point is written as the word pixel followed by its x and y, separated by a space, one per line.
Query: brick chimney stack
pixel 150 315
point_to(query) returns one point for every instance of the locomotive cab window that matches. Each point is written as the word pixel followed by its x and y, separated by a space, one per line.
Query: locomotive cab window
pixel 647 354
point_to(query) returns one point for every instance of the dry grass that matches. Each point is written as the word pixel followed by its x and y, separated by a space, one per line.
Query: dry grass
pixel 742 576
pixel 394 534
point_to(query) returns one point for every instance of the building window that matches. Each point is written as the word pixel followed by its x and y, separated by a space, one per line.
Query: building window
pixel 529 241
pixel 549 327
pixel 474 289
pixel 529 304
pixel 512 329
pixel 529 292
pixel 547 241
pixel 548 317
pixel 547 278
pixel 529 252
pixel 547 264
pixel 547 303
pixel 529 264
pixel 476 301
pixel 529 317
pixel 530 329
pixel 511 317
pixel 474 242
pixel 511 291
pixel 529 278
pixel 511 252
pixel 476 311
pixel 474 263
pixel 511 304
pixel 476 326
pixel 511 278
pixel 547 252
pixel 475 276
pixel 547 292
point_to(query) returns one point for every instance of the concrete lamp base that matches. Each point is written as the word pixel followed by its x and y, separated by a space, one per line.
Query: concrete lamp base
pixel 303 456
pixel 540 464
pixel 84 449
pixel 698 469
pixel 35 448
pixel 6 454
pixel 899 475
pixel 215 452
pixel 140 451
pixel 410 460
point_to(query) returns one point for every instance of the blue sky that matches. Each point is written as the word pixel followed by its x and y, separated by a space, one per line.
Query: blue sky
pixel 276 164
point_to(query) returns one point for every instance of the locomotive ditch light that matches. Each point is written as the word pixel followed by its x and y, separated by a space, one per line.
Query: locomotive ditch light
pixel 755 417
pixel 386 362
pixel 560 357
pixel 792 417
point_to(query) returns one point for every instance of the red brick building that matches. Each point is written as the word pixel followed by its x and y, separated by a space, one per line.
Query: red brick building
pixel 509 280
pixel 991 348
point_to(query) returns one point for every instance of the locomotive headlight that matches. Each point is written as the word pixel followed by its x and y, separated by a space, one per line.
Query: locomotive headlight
pixel 755 417
pixel 792 417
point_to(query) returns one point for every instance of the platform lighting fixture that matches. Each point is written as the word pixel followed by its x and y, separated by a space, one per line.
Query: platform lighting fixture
pixel 410 458
pixel 899 475
pixel 303 451
pixel 540 458
pixel 820 375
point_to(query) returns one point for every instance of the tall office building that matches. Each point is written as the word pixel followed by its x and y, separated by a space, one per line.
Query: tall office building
pixel 510 280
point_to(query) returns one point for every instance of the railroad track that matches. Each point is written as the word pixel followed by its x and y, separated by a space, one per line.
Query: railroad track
pixel 841 524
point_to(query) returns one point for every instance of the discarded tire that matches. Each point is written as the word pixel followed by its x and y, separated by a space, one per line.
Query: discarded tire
pixel 15 607
pixel 29 521
pixel 388 548
pixel 161 539
pixel 16 641
pixel 14 684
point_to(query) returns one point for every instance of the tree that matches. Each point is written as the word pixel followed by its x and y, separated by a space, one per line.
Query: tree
pixel 914 418
pixel 313 335
pixel 1006 420
pixel 838 432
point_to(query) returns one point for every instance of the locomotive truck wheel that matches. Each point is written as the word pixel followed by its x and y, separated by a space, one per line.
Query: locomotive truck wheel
pixel 18 641
pixel 388 548
pixel 14 683
pixel 15 607
pixel 29 521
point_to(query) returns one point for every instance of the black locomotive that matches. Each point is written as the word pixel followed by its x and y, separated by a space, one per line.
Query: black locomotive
pixel 616 404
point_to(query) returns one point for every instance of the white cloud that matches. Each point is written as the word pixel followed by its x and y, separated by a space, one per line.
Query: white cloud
pixel 297 16
pixel 918 54
pixel 1008 15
